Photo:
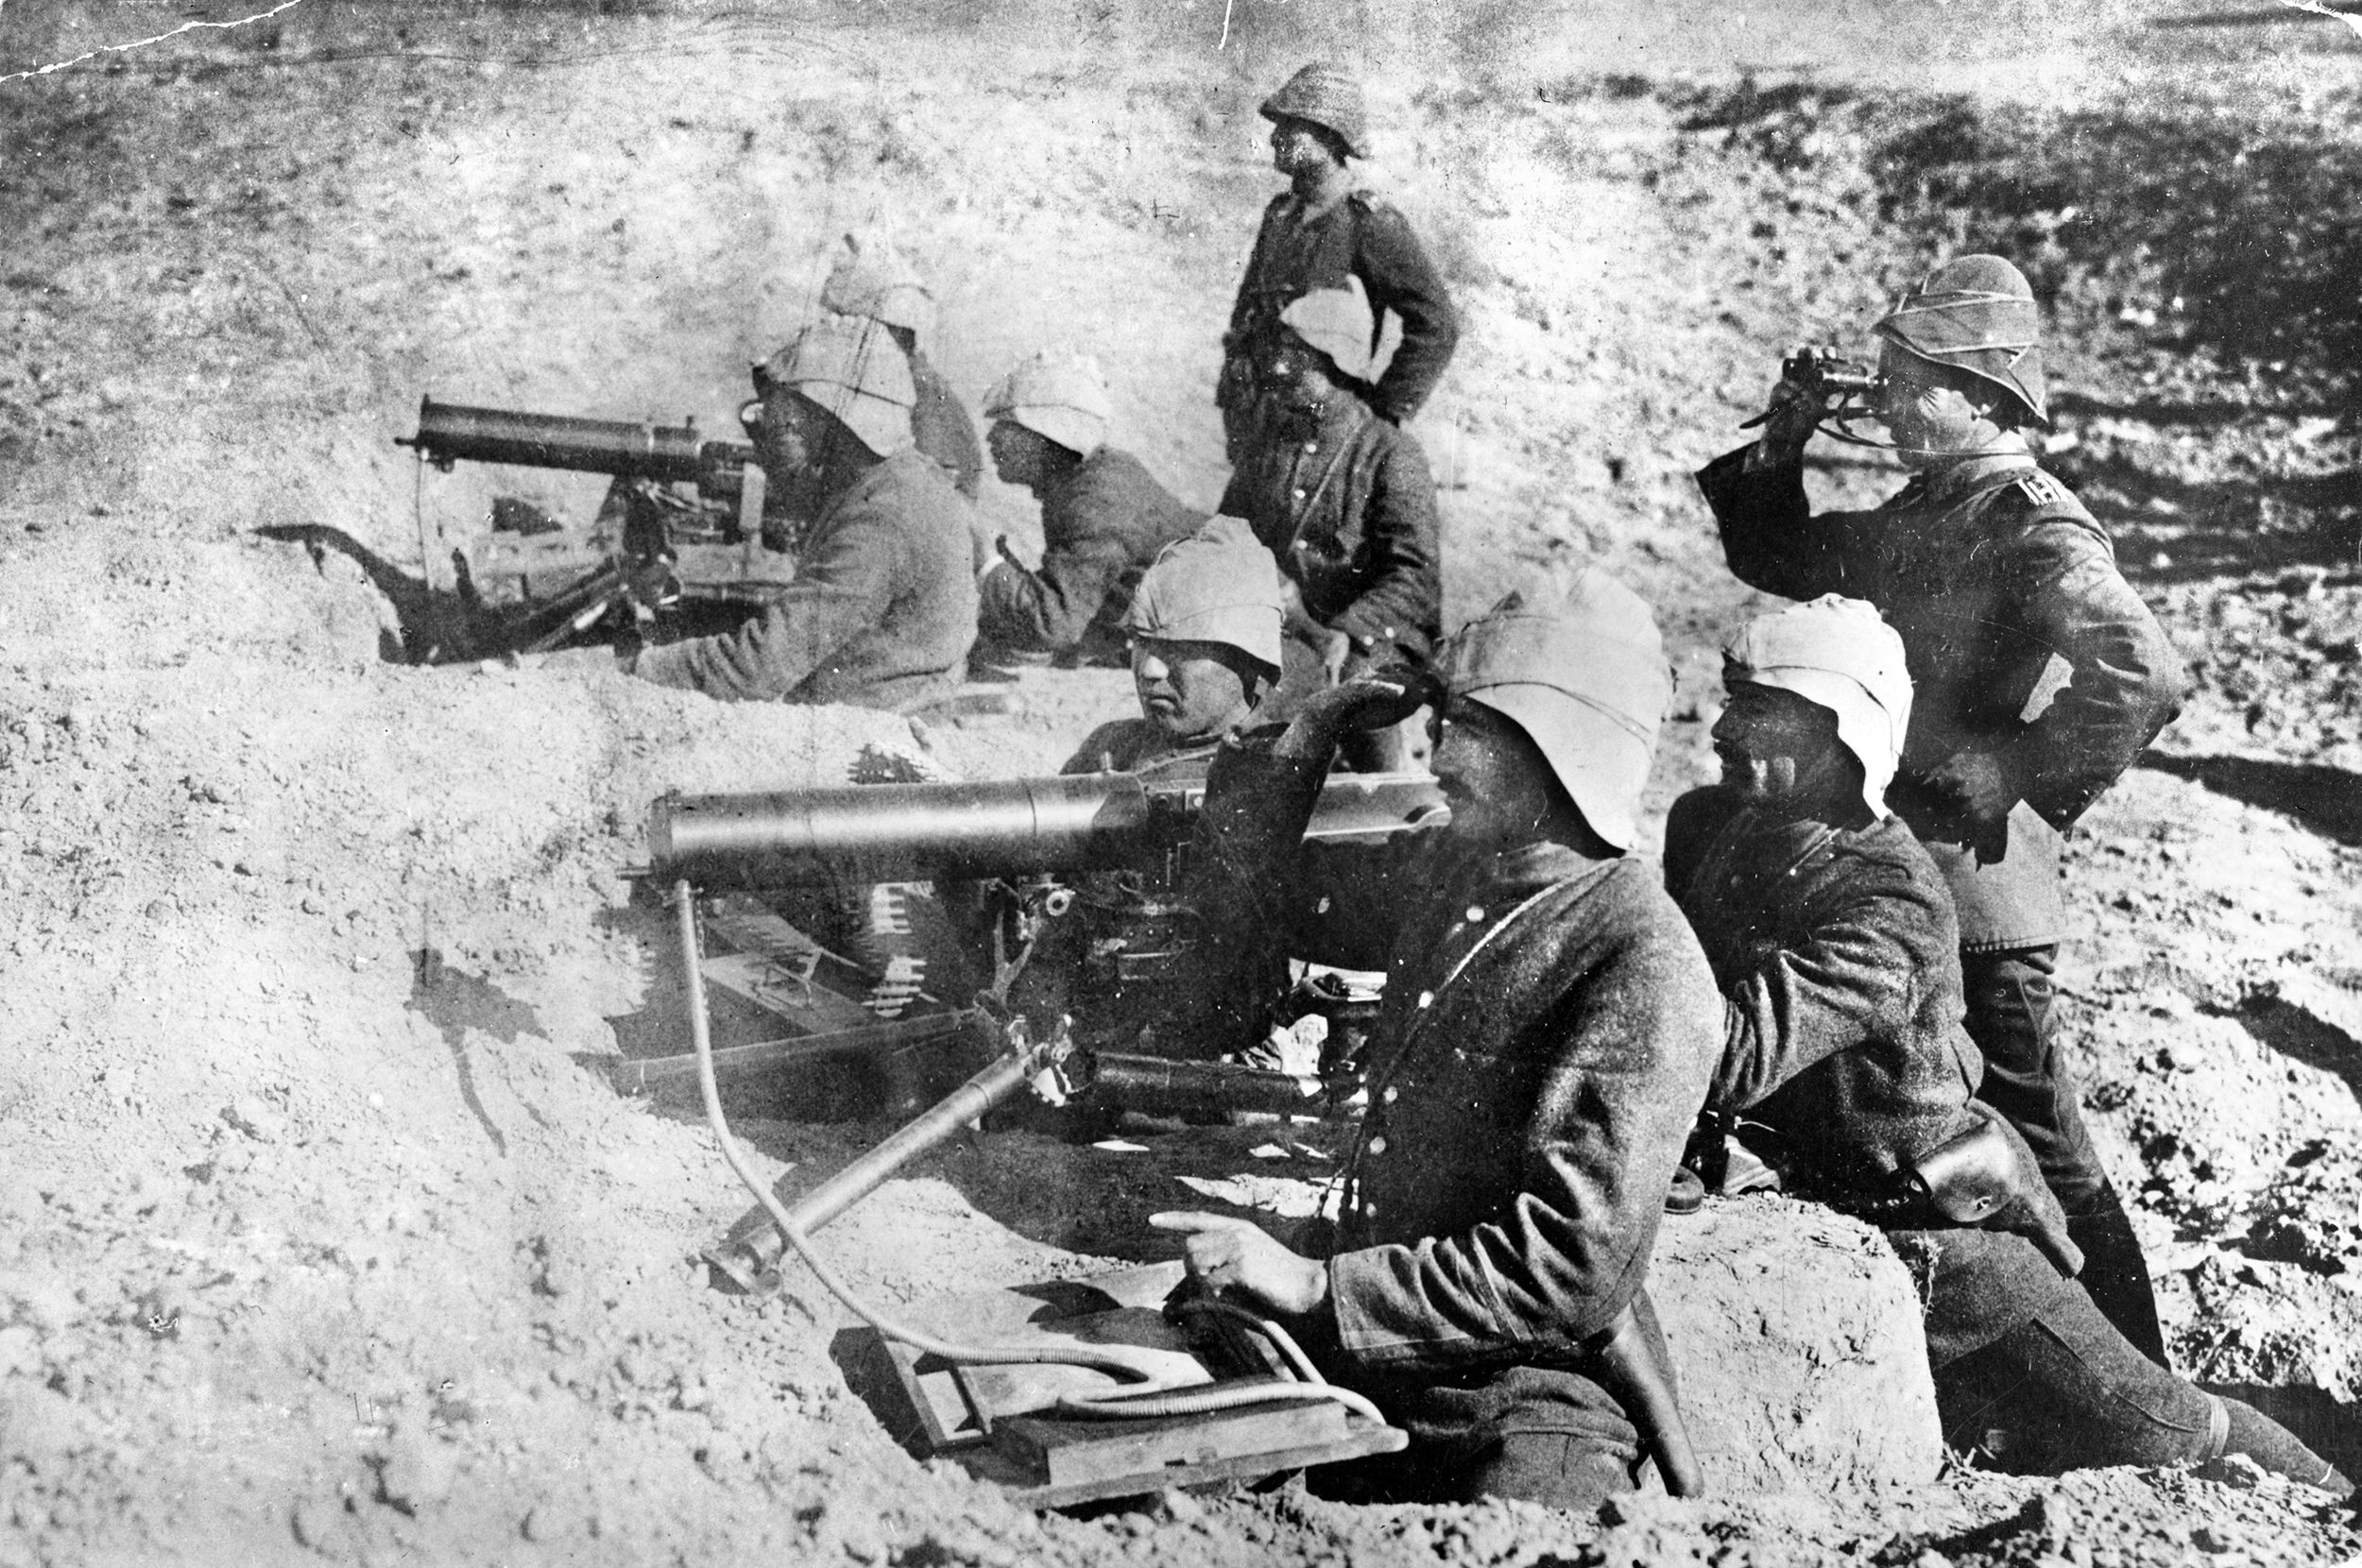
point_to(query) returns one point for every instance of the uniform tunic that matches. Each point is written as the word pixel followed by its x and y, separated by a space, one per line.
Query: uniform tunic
pixel 1359 237
pixel 1546 1040
pixel 882 610
pixel 1102 524
pixel 1837 957
pixel 2023 641
pixel 1350 515
pixel 941 428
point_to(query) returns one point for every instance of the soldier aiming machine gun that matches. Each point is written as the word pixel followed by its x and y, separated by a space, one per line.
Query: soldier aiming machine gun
pixel 1099 1387
pixel 672 550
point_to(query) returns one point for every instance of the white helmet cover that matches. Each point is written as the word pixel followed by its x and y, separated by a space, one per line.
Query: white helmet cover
pixel 1062 397
pixel 873 279
pixel 1220 585
pixel 1583 673
pixel 1840 654
pixel 850 367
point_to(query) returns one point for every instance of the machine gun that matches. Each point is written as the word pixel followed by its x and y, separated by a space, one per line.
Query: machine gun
pixel 672 548
pixel 1029 843
pixel 1121 1384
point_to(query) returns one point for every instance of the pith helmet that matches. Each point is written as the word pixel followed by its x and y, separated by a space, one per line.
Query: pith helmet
pixel 1838 652
pixel 1337 322
pixel 1219 584
pixel 1975 314
pixel 1324 95
pixel 1062 397
pixel 1582 673
pixel 873 279
pixel 848 366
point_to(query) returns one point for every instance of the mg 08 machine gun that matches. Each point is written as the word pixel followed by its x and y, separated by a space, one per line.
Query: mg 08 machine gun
pixel 687 537
pixel 1126 1383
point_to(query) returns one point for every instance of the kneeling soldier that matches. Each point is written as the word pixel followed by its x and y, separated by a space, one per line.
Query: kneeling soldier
pixel 1546 1038
pixel 2040 675
pixel 1104 517
pixel 1834 941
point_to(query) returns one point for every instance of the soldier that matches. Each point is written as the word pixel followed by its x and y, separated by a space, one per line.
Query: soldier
pixel 1835 943
pixel 1206 647
pixel 1346 503
pixel 1319 232
pixel 1102 517
pixel 1546 1039
pixel 1134 963
pixel 2041 676
pixel 883 604
pixel 874 282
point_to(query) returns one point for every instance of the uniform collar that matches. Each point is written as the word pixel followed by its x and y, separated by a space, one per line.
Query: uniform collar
pixel 1967 474
pixel 1531 867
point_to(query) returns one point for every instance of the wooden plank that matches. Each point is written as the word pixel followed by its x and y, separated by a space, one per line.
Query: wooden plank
pixel 1362 1437
pixel 1065 1453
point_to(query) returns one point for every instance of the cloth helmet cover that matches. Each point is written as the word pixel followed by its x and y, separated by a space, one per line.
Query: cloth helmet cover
pixel 1061 398
pixel 1841 654
pixel 1219 584
pixel 1337 322
pixel 1331 99
pixel 1975 314
pixel 1583 673
pixel 873 279
pixel 848 366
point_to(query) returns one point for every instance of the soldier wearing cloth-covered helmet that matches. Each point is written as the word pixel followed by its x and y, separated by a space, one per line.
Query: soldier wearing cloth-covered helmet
pixel 1316 234
pixel 874 281
pixel 883 604
pixel 1345 501
pixel 1104 517
pixel 2040 676
pixel 1833 938
pixel 1545 1043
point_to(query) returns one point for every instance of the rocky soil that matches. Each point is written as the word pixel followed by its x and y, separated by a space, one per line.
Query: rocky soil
pixel 321 1233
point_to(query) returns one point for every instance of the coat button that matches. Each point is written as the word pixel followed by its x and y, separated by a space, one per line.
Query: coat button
pixel 1426 999
pixel 1390 1095
pixel 1476 913
pixel 1297 493
pixel 1378 1146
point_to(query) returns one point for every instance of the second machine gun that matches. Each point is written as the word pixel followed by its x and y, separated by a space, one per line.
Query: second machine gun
pixel 640 575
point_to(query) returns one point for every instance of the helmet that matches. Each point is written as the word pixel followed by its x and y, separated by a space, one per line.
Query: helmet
pixel 1337 322
pixel 1582 673
pixel 1219 584
pixel 852 370
pixel 873 279
pixel 1062 399
pixel 1326 95
pixel 1975 314
pixel 1837 653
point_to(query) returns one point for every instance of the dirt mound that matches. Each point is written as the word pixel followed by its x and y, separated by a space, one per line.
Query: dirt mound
pixel 321 1234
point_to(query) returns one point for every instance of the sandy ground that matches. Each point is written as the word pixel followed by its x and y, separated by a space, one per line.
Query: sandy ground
pixel 321 1234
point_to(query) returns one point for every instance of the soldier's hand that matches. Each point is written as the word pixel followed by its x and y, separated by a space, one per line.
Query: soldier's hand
pixel 1795 412
pixel 1977 788
pixel 1334 647
pixel 1226 1253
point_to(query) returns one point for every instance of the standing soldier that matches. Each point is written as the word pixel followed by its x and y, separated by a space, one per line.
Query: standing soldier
pixel 1316 234
pixel 874 282
pixel 1104 517
pixel 2040 675
pixel 883 604
pixel 1346 503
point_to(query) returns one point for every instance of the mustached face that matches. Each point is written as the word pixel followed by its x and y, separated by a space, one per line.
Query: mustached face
pixel 1298 150
pixel 1778 750
pixel 1019 456
pixel 1499 787
pixel 1927 416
